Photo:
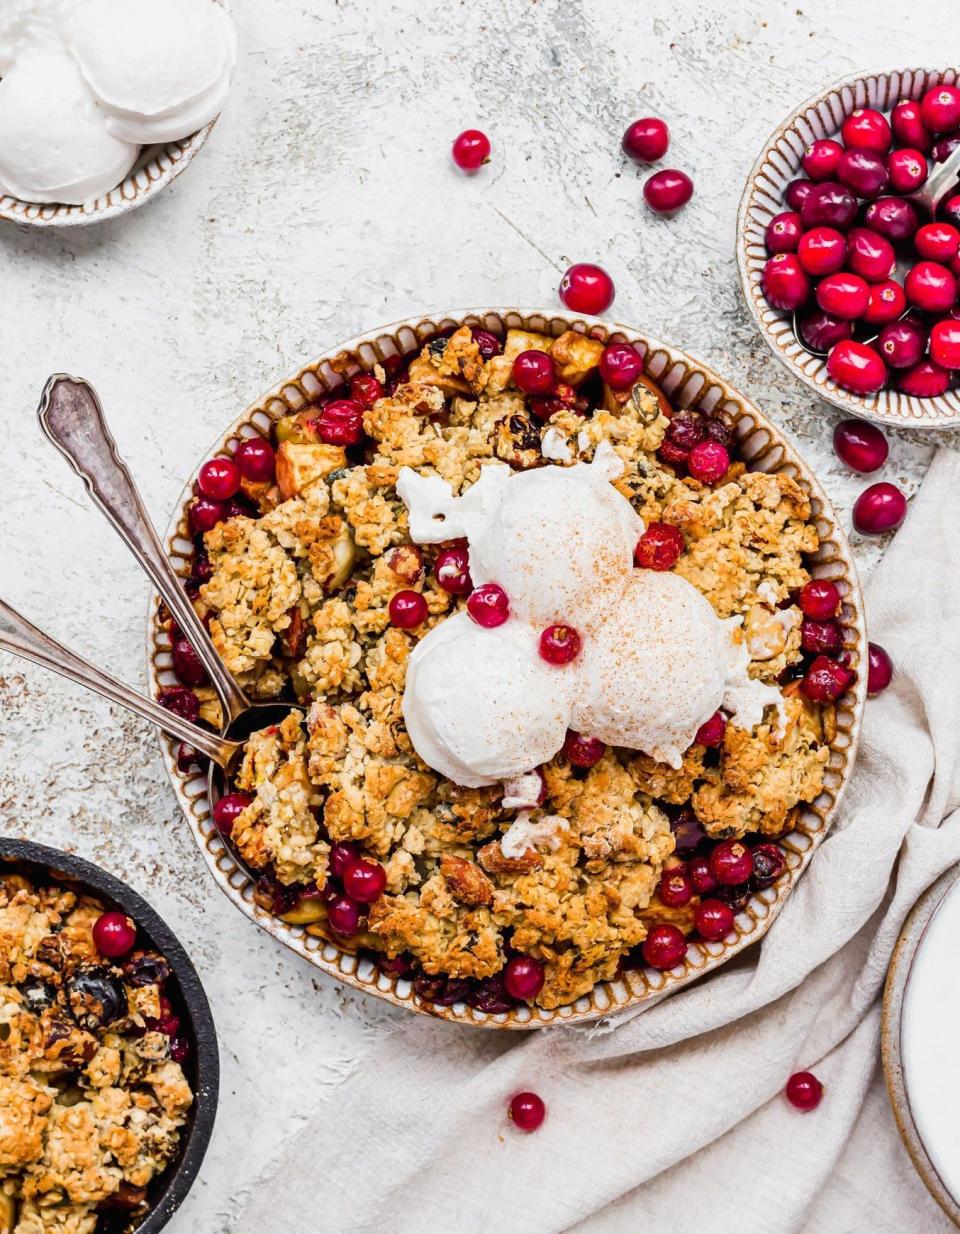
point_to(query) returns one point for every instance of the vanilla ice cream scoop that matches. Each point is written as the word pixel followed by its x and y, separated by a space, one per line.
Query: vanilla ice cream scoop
pixel 54 146
pixel 30 25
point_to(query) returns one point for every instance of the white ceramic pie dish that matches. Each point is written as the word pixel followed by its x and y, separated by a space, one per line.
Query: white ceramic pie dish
pixel 690 384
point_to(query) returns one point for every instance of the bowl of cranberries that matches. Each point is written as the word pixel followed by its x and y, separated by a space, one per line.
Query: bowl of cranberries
pixel 848 244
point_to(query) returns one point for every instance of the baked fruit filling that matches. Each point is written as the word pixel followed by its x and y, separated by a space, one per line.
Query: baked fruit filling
pixel 314 589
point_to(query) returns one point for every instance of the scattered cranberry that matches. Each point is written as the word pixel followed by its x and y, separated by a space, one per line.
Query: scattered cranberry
pixel 820 599
pixel 523 977
pixel 888 301
pixel 892 217
pixel 646 140
pixel 342 855
pixel 620 365
pixel 713 920
pixel 534 372
pixel 731 862
pixel 864 172
pixel 181 701
pixel 768 863
pixel 675 887
pixel 340 422
pixel 869 255
pixel 668 190
pixel 843 295
pixel 878 509
pixel 856 367
pixel 708 462
pixel 488 344
pixel 365 880
pixel 586 288
pixel 227 810
pixel 659 547
pixel 821 331
pixel 822 250
pixel 559 644
pixel 583 751
pixel 783 232
pixel 908 170
pixel 664 947
pixel 825 680
pixel 861 445
pixel 804 1090
pixel 931 287
pixel 711 732
pixel 471 149
pixel 940 108
pixel 114 934
pixel 829 204
pixel 343 916
pixel 527 1111
pixel 408 609
pixel 452 571
pixel 820 159
pixel 879 671
pixel 256 459
pixel 488 605
pixel 945 343
pixel 819 637
pixel 365 389
pixel 866 129
pixel 908 126
pixel 797 192
pixel 219 479
pixel 204 514
pixel 924 380
pixel 902 343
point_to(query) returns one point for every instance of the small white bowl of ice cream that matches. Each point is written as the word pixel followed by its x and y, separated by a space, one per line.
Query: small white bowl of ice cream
pixel 104 102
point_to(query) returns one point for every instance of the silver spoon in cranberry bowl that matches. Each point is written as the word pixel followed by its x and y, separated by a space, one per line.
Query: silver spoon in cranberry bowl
pixel 928 197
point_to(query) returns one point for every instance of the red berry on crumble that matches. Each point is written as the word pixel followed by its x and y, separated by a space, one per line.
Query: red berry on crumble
pixel 659 547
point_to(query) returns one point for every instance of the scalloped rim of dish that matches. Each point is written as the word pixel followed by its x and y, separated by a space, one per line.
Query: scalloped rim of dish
pixel 887 407
pixel 690 383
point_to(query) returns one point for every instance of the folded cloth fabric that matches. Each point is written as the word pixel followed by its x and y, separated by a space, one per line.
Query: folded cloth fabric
pixel 673 1119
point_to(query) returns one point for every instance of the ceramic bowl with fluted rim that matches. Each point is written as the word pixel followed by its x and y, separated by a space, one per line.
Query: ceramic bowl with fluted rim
pixel 759 443
pixel 763 197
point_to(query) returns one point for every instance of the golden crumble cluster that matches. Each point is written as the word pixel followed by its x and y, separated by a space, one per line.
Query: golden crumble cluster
pixel 92 1097
pixel 297 599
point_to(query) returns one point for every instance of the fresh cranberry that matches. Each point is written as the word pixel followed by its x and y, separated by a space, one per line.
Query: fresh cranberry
pixel 583 751
pixel 892 217
pixel 620 365
pixel 664 947
pixel 675 887
pixel 204 514
pixel 907 169
pixel 534 372
pixel 784 282
pixel 888 301
pixel 488 605
pixel 804 1090
pixel 527 1111
pixel 931 287
pixel 340 422
pixel 523 977
pixel 365 389
pixel 902 343
pixel 829 204
pixel 731 862
pixel 797 192
pixel 940 108
pixel 880 508
pixel 227 810
pixel 187 664
pixel 908 127
pixel 586 288
pixel 646 140
pixel 700 874
pixel 843 295
pixel 219 479
pixel 559 644
pixel 471 149
pixel 181 701
pixel 819 599
pixel 711 732
pixel 950 209
pixel 864 172
pixel 114 934
pixel 667 190
pixel 488 344
pixel 659 547
pixel 945 343
pixel 820 158
pixel 924 380
pixel 343 916
pixel 856 367
pixel 825 680
pixel 866 129
pixel 819 637
pixel 688 834
pixel 768 863
pixel 822 250
pixel 256 459
pixel 343 854
pixel 821 331
pixel 860 445
pixel 408 609
pixel 945 147
pixel 879 671
pixel 365 880
pixel 452 571
pixel 869 255
pixel 713 920
pixel 783 232
pixel 937 241
pixel 708 462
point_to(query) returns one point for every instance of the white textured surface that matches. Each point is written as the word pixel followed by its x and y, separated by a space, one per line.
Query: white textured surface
pixel 325 203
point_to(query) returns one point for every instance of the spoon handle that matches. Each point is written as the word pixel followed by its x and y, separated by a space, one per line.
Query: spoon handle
pixel 72 418
pixel 20 637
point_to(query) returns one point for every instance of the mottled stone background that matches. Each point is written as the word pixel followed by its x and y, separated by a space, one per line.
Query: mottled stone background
pixel 325 203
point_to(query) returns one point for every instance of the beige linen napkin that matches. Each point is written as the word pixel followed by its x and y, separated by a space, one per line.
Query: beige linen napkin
pixel 673 1119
